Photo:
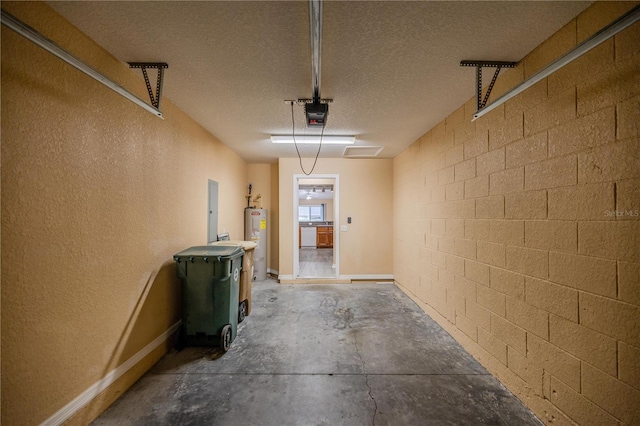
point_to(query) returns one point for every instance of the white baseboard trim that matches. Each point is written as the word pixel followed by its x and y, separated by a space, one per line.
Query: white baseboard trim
pixel 381 278
pixel 85 397
pixel 372 277
pixel 285 277
pixel 272 271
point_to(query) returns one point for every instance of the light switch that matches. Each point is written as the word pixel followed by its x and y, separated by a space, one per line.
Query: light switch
pixel 343 228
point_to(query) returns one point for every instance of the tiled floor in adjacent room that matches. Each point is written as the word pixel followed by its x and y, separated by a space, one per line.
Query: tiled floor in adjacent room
pixel 355 354
pixel 316 262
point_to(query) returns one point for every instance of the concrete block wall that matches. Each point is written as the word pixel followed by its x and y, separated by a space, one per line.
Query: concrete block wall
pixel 520 232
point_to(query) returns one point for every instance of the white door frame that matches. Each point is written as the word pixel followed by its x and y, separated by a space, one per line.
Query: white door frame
pixel 336 216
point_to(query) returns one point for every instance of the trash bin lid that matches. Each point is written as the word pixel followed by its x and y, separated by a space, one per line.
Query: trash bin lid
pixel 210 251
pixel 247 245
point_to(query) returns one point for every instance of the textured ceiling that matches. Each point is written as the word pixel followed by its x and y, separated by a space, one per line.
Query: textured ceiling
pixel 392 68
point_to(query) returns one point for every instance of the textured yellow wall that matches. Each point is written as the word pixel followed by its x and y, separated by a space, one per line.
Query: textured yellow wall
pixel 97 194
pixel 260 176
pixel 365 194
pixel 506 231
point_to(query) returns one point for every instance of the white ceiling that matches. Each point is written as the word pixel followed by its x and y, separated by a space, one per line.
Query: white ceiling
pixel 392 68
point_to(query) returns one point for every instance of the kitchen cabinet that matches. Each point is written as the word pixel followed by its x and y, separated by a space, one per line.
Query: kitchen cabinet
pixel 324 237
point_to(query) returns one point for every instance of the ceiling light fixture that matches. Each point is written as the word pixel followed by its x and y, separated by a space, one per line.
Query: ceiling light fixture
pixel 314 139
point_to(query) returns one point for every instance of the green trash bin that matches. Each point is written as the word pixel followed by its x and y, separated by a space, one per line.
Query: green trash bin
pixel 210 289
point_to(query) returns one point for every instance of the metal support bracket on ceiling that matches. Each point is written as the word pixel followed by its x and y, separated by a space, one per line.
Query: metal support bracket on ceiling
pixel 498 65
pixel 31 34
pixel 315 19
pixel 160 66
pixel 615 27
pixel 303 101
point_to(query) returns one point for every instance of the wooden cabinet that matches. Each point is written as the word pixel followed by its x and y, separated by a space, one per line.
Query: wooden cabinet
pixel 324 237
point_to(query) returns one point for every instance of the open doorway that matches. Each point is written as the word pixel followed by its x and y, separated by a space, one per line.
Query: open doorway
pixel 315 215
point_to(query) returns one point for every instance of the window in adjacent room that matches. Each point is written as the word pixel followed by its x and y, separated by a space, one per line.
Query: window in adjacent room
pixel 311 213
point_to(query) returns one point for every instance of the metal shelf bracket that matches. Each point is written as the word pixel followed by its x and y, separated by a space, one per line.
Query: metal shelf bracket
pixel 303 101
pixel 498 65
pixel 160 66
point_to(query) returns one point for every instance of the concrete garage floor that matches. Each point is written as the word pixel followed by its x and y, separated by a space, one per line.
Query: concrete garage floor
pixel 358 354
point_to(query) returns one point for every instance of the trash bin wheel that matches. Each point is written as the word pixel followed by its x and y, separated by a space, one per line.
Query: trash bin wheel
pixel 242 310
pixel 225 337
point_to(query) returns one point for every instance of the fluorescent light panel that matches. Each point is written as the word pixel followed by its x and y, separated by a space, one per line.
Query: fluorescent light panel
pixel 314 139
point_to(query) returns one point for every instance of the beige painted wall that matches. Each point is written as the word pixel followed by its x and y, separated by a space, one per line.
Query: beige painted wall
pixel 365 194
pixel 97 195
pixel 506 232
pixel 260 176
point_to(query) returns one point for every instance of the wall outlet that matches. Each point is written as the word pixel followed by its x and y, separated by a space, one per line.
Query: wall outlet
pixel 343 228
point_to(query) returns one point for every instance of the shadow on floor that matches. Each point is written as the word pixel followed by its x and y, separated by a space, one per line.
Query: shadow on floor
pixel 357 354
